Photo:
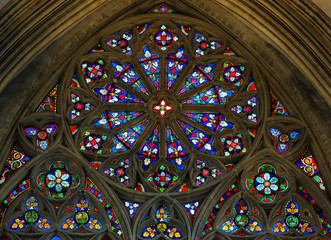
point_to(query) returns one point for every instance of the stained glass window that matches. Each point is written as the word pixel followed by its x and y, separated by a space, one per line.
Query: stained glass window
pixel 162 129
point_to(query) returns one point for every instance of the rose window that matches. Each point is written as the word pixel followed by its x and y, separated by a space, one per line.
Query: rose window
pixel 163 125
pixel 164 107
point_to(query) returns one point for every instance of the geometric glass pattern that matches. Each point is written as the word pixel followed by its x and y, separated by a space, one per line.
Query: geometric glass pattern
pixel 159 131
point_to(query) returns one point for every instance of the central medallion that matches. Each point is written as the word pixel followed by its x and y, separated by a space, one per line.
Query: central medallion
pixel 162 108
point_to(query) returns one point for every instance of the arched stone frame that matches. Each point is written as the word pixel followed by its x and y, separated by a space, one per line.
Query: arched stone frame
pixel 305 71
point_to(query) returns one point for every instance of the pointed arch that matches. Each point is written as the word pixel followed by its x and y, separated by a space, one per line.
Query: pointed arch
pixel 273 46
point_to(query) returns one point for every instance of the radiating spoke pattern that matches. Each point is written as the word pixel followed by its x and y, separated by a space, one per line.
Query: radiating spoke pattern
pixel 164 103
pixel 166 113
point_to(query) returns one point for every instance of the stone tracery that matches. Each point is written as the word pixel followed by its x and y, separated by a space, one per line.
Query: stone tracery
pixel 164 147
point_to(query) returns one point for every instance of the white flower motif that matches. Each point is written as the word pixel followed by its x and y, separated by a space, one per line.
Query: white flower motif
pixel 267 183
pixel 207 69
pixel 208 146
pixel 147 161
pixel 58 180
pixel 119 68
pixel 179 161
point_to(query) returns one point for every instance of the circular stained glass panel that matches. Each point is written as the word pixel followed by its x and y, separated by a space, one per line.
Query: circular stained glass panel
pixel 164 107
